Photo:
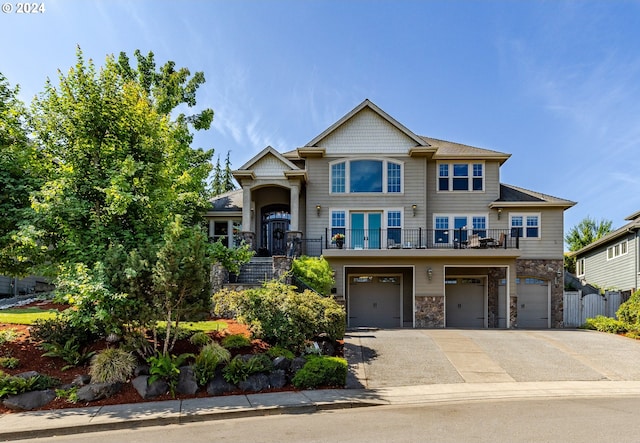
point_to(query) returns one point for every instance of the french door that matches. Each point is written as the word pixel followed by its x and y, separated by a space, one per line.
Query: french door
pixel 365 230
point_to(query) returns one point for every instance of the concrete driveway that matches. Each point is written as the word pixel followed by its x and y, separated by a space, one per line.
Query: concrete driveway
pixel 410 357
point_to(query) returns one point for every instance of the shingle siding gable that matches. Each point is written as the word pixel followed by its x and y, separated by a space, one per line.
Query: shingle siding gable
pixel 366 133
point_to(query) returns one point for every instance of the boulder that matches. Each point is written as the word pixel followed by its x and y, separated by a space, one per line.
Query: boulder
pixel 146 390
pixel 28 374
pixel 277 379
pixel 281 363
pixel 29 400
pixel 141 370
pixel 187 383
pixel 297 364
pixel 81 380
pixel 98 391
pixel 255 383
pixel 218 386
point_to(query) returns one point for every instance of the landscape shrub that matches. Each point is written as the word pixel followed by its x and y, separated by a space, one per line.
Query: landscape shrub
pixel 236 341
pixel 71 351
pixel 279 351
pixel 281 316
pixel 9 335
pixel 210 356
pixel 629 311
pixel 167 368
pixel 240 368
pixel 315 272
pixel 200 339
pixel 59 331
pixel 9 362
pixel 321 371
pixel 606 324
pixel 112 365
pixel 12 385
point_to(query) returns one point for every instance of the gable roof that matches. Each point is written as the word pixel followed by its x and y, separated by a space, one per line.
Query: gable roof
pixel 513 196
pixel 260 155
pixel 446 150
pixel 632 226
pixel 370 105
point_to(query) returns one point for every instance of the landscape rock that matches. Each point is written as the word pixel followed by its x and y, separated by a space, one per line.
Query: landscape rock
pixel 297 364
pixel 255 383
pixel 81 380
pixel 98 391
pixel 29 400
pixel 187 383
pixel 277 379
pixel 219 386
pixel 141 370
pixel 146 390
pixel 281 363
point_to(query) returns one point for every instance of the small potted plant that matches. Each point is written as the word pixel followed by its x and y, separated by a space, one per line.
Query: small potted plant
pixel 338 239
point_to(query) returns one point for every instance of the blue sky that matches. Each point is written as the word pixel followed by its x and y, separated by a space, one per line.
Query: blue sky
pixel 554 83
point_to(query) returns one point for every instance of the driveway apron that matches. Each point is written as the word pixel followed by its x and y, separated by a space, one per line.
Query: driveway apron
pixel 409 357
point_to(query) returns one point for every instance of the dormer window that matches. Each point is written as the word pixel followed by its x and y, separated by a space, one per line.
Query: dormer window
pixel 460 176
pixel 366 176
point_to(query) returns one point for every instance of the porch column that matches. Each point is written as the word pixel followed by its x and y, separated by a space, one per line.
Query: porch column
pixel 295 206
pixel 246 209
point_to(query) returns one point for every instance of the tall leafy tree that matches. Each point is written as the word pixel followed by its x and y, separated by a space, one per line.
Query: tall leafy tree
pixel 118 166
pixel 583 234
pixel 19 177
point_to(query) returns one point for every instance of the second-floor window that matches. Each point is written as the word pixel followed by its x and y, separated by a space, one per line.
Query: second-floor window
pixel 617 250
pixel 366 176
pixel 460 177
pixel 525 225
pixel 454 228
pixel 580 268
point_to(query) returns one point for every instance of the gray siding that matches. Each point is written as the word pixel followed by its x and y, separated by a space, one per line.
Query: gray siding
pixel 618 273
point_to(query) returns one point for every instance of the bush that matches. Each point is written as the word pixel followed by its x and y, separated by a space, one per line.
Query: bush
pixel 9 362
pixel 281 316
pixel 240 368
pixel 112 365
pixel 279 351
pixel 321 371
pixel 71 352
pixel 59 331
pixel 9 335
pixel 12 385
pixel 210 356
pixel 236 341
pixel 606 324
pixel 315 272
pixel 167 368
pixel 629 311
pixel 200 339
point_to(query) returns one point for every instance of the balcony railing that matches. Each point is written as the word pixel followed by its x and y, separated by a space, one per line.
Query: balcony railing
pixel 420 238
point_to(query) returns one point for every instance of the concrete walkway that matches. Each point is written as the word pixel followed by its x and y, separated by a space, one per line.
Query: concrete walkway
pixel 395 368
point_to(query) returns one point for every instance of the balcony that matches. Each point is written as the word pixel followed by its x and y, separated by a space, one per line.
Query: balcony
pixel 420 238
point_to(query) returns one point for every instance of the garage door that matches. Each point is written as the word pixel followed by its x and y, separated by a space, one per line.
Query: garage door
pixel 465 303
pixel 533 303
pixel 374 301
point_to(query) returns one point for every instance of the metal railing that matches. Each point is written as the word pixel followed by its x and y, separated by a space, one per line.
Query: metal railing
pixel 420 238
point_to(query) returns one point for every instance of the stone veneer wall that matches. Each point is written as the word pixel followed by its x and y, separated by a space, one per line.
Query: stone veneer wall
pixel 281 267
pixel 545 270
pixel 493 281
pixel 429 311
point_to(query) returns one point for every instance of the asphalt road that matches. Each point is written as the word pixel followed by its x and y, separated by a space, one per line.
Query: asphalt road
pixel 515 421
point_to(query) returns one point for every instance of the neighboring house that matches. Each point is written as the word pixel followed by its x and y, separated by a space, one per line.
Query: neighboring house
pixel 612 262
pixel 428 237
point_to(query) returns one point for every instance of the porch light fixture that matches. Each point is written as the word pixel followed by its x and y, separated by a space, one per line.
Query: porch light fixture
pixel 318 208
pixel 499 213
pixel 414 208
pixel 429 273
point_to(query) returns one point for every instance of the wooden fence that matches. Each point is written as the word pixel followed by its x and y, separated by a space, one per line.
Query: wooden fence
pixel 579 306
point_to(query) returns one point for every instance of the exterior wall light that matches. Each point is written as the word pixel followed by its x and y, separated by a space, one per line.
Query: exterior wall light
pixel 429 273
pixel 318 208
pixel 499 213
pixel 414 208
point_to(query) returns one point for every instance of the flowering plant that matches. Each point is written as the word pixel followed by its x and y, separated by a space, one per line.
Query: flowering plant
pixel 337 237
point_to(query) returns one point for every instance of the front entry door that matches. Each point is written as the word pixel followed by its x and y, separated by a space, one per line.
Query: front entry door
pixel 365 230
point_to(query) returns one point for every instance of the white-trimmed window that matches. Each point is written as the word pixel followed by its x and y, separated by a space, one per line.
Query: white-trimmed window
pixel 225 230
pixel 525 225
pixel 394 226
pixel 461 176
pixel 617 250
pixel 366 176
pixel 461 227
pixel 580 267
pixel 338 222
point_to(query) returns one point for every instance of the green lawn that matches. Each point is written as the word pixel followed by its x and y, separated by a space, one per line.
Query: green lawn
pixel 25 316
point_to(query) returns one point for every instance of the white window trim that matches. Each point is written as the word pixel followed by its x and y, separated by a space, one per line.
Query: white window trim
pixel 524 216
pixel 385 173
pixel 470 164
pixel 580 267
pixel 619 254
pixel 452 217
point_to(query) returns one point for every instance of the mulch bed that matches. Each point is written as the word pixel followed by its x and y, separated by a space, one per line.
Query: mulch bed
pixel 30 356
